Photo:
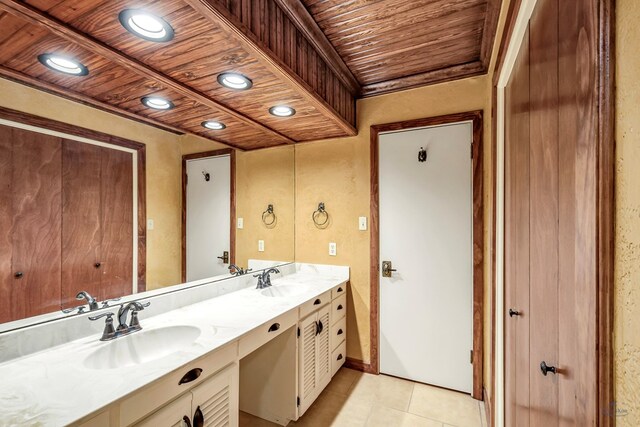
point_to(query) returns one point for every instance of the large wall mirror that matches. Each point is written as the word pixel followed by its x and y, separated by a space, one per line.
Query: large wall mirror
pixel 82 211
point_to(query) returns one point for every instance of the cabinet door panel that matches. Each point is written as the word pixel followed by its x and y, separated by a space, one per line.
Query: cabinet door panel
pixel 323 356
pixel 117 224
pixel 36 223
pixel 216 399
pixel 6 219
pixel 81 233
pixel 307 362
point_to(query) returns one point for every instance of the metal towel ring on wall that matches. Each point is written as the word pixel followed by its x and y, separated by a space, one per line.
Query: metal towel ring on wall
pixel 269 213
pixel 317 215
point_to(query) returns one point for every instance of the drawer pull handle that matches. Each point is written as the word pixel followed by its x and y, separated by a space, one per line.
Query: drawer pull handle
pixel 340 289
pixel 187 421
pixel 339 357
pixel 340 307
pixel 317 302
pixel 274 327
pixel 192 375
pixel 198 418
pixel 339 332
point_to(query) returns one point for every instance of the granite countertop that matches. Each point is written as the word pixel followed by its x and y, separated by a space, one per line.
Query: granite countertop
pixel 54 387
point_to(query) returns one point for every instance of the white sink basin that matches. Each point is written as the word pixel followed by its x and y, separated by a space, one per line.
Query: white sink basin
pixel 141 347
pixel 284 291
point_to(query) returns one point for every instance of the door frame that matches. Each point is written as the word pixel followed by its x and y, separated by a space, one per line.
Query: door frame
pixel 518 15
pixel 232 218
pixel 478 238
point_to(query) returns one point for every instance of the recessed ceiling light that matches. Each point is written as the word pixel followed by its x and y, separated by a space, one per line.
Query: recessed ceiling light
pixel 157 103
pixel 235 81
pixel 63 64
pixel 213 125
pixel 282 111
pixel 146 25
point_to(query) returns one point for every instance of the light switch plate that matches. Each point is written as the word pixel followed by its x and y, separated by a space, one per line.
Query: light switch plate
pixel 362 223
pixel 150 224
pixel 333 249
pixel 260 245
pixel 240 223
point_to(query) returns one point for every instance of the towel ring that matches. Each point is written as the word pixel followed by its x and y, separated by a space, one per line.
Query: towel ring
pixel 318 213
pixel 268 213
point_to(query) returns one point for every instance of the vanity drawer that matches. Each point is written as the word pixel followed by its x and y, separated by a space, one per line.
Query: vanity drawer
pixel 338 332
pixel 267 332
pixel 338 357
pixel 338 290
pixel 338 308
pixel 157 394
pixel 314 304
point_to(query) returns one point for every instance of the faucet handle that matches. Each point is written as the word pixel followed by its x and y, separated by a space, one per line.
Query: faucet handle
pixel 106 302
pixel 109 332
pixel 80 309
pixel 109 316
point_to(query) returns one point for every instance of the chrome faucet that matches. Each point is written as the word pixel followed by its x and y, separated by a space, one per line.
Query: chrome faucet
pixel 264 280
pixel 110 332
pixel 238 271
pixel 83 295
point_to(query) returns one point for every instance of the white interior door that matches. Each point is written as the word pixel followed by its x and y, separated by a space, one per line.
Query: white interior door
pixel 426 230
pixel 208 216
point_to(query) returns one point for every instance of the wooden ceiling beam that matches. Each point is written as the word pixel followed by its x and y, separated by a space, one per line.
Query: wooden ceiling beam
pixel 60 29
pixel 302 19
pixel 442 75
pixel 489 31
pixel 223 19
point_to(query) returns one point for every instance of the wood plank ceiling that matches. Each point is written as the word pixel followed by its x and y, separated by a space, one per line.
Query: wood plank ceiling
pixel 315 56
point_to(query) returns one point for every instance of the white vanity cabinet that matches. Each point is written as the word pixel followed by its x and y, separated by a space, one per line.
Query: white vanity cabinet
pixel 213 403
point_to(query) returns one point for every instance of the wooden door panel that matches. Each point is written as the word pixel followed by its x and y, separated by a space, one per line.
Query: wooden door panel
pixel 117 224
pixel 80 220
pixel 6 219
pixel 36 223
pixel 517 208
pixel 544 211
pixel 577 56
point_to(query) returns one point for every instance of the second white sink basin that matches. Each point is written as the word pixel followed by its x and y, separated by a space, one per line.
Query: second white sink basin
pixel 284 291
pixel 142 346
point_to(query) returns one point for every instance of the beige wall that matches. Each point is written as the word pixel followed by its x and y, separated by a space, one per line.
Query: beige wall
pixel 627 259
pixel 265 177
pixel 337 173
pixel 164 176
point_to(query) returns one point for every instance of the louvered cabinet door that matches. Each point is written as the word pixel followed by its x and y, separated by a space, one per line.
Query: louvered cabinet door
pixel 323 348
pixel 175 414
pixel 307 370
pixel 215 401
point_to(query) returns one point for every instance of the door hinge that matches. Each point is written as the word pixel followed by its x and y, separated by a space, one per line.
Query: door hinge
pixel 298 332
pixel 298 401
pixel 470 356
pixel 472 150
pixel 186 180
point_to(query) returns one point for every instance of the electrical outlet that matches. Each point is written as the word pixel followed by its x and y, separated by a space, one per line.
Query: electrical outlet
pixel 333 248
pixel 240 223
pixel 362 223
pixel 150 224
pixel 260 245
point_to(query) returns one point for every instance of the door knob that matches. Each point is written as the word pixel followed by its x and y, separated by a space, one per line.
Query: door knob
pixel 546 369
pixel 513 312
pixel 224 257
pixel 18 274
pixel 387 269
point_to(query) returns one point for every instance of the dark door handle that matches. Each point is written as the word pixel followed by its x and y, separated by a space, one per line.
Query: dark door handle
pixel 225 260
pixel 186 421
pixel 317 327
pixel 546 369
pixel 339 289
pixel 340 307
pixel 198 418
pixel 513 312
pixel 274 327
pixel 320 327
pixel 339 332
pixel 18 274
pixel 97 265
pixel 339 357
pixel 317 302
pixel 192 375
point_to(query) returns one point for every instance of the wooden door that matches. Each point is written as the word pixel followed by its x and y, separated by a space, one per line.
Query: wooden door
pixel 6 220
pixel 36 226
pixel 81 226
pixel 517 360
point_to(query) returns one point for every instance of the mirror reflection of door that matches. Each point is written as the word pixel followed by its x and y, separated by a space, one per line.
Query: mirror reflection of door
pixel 208 217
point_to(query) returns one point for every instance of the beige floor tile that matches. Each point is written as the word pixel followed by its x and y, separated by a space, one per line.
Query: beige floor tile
pixel 333 410
pixel 446 406
pixel 248 420
pixel 343 380
pixel 386 417
pixel 392 392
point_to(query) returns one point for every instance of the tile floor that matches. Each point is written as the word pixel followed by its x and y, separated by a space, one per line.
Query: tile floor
pixel 356 399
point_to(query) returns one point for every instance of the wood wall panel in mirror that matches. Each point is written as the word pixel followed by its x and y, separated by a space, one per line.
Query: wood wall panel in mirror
pixel 74 207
